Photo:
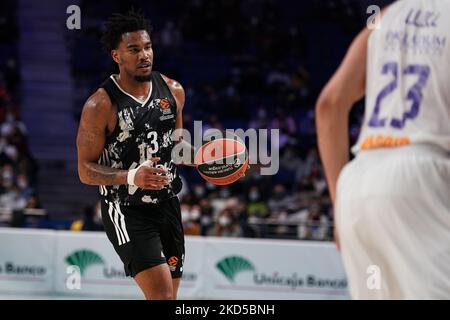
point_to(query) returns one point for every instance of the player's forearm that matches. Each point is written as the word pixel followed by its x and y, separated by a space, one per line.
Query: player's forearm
pixel 95 174
pixel 332 131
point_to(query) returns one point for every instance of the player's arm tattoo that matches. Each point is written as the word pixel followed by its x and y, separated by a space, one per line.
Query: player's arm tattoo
pixel 86 137
pixel 97 174
pixel 91 142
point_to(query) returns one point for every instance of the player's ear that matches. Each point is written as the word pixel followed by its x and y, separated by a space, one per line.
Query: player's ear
pixel 115 56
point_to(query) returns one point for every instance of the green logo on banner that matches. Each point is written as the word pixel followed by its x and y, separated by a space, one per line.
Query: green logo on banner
pixel 231 266
pixel 84 259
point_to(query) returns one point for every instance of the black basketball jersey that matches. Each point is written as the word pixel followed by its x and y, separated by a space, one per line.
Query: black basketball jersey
pixel 143 130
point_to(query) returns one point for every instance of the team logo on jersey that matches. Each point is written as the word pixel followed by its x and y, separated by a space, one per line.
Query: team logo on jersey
pixel 164 104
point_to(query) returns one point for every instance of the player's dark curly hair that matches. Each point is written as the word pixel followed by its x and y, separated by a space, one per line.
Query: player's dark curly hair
pixel 118 24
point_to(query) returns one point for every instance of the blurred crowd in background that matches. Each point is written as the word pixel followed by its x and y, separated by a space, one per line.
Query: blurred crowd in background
pixel 243 64
pixel 18 169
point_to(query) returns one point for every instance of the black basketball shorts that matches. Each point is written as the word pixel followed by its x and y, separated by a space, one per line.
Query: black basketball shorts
pixel 146 235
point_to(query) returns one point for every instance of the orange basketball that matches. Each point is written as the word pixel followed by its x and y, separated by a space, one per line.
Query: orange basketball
pixel 222 161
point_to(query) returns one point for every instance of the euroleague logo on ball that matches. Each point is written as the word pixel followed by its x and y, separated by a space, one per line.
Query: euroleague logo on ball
pixel 222 161
pixel 223 156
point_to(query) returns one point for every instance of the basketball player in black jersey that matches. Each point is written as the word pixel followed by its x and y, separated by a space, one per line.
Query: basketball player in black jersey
pixel 124 146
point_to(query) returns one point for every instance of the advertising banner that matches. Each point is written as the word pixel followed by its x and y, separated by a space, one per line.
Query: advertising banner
pixel 66 264
pixel 268 269
pixel 86 264
pixel 26 260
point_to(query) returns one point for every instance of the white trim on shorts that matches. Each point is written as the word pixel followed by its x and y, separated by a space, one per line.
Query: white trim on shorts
pixel 118 220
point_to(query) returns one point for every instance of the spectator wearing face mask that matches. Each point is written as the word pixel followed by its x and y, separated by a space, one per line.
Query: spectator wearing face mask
pixel 256 206
pixel 199 191
pixel 279 198
pixel 12 198
pixel 206 217
pixel 190 217
pixel 7 177
pixel 226 225
pixel 22 182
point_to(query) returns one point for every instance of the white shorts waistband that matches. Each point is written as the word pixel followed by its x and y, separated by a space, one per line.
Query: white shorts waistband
pixel 415 149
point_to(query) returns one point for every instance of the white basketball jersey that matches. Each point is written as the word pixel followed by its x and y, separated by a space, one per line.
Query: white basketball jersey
pixel 408 77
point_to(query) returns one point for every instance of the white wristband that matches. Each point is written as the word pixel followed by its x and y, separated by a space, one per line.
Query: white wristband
pixel 132 172
pixel 130 176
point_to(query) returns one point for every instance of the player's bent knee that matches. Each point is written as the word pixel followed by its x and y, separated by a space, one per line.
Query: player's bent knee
pixel 167 295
